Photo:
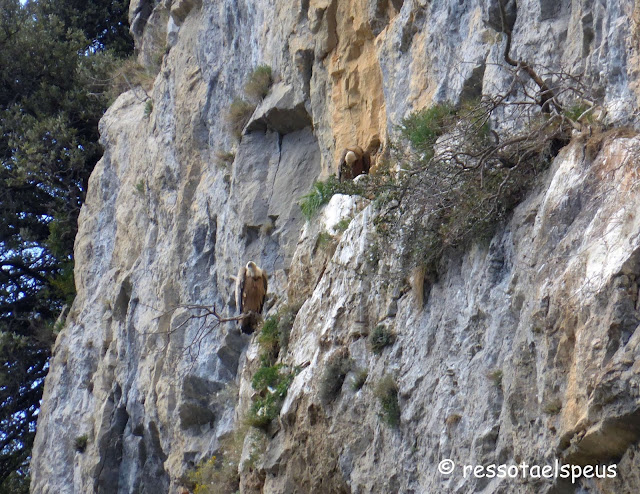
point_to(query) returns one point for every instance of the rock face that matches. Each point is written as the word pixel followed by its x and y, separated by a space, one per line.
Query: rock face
pixel 524 349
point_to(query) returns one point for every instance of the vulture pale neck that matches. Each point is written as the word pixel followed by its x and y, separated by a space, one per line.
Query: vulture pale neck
pixel 252 270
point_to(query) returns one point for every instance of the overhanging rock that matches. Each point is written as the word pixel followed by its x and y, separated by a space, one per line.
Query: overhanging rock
pixel 281 111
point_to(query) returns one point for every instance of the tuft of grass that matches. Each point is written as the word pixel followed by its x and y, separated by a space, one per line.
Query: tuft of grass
pixel 238 115
pixel 269 339
pixel 324 240
pixel 128 74
pixel 343 224
pixel 496 377
pixel 322 192
pixel 387 394
pixel 333 378
pixel 552 407
pixel 272 384
pixel 225 158
pixel 359 378
pixel 319 195
pixel 380 338
pixel 578 111
pixel 220 472
pixel 80 443
pixel 453 419
pixel 259 83
pixel 255 89
pixel 148 108
pixel 158 56
pixel 140 187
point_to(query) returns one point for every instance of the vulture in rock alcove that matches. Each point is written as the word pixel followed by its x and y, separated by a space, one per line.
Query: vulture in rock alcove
pixel 354 162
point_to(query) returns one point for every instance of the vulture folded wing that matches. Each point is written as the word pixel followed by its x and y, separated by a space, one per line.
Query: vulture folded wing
pixel 341 165
pixel 240 282
pixel 264 294
pixel 366 162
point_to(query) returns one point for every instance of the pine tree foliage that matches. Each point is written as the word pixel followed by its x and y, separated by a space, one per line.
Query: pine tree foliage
pixel 53 53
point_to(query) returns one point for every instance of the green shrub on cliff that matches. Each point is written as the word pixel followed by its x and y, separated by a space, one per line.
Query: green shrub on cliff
pixel 259 83
pixel 380 338
pixel 238 115
pixel 422 128
pixel 333 377
pixel 242 107
pixel 272 384
pixel 321 193
pixel 387 393
pixel 272 380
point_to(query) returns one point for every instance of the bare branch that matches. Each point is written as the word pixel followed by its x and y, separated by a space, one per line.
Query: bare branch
pixel 546 94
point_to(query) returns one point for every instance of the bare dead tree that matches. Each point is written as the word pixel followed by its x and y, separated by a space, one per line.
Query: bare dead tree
pixel 463 168
pixel 547 95
pixel 206 319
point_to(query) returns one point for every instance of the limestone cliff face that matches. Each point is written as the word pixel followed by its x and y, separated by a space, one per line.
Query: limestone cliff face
pixel 549 307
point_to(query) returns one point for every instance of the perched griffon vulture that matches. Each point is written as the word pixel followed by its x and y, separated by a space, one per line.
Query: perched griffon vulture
pixel 251 290
pixel 354 162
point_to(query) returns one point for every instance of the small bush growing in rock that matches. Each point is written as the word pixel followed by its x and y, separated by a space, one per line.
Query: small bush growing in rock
pixel 458 178
pixel 129 74
pixel 140 187
pixel 333 377
pixel 269 339
pixel 422 128
pixel 266 377
pixel 258 84
pixel 225 158
pixel 238 115
pixel 380 338
pixel 148 107
pixel 263 411
pixel 274 334
pixel 343 224
pixel 359 378
pixel 387 394
pixel 579 111
pixel 220 472
pixel 453 419
pixel 80 443
pixel 322 192
pixel 272 384
pixel 553 407
pixel 496 377
pixel 462 169
pixel 272 380
pixel 373 256
pixel 325 240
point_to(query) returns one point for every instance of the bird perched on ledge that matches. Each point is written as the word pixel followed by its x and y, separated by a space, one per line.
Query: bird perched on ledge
pixel 251 291
pixel 354 162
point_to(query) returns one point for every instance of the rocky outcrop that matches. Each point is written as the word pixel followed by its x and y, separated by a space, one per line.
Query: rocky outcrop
pixel 524 349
